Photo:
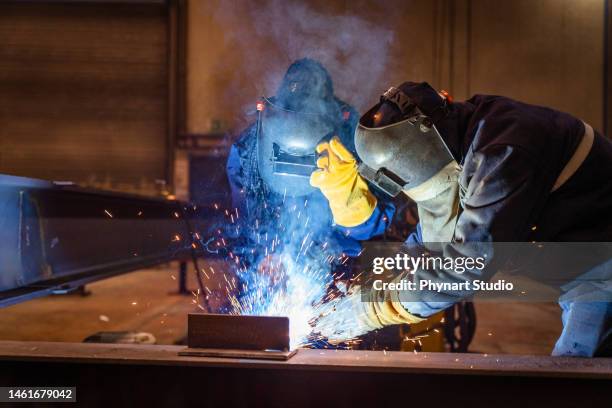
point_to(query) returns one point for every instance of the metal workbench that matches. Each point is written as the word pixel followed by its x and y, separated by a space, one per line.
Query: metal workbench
pixel 120 375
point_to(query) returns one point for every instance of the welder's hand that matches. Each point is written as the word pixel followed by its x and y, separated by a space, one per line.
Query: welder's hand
pixel 349 197
pixel 356 314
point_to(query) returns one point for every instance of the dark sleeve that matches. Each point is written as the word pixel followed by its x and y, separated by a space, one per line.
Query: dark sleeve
pixel 501 192
pixel 240 172
pixel 242 178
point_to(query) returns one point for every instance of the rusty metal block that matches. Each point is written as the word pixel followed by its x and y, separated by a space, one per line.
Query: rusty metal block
pixel 216 335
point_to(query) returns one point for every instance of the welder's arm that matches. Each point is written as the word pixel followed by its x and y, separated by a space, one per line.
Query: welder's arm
pixel 498 205
pixel 501 185
pixel 350 200
pixel 351 316
pixel 237 171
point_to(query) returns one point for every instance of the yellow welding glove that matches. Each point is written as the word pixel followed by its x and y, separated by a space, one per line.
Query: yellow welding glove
pixel 353 315
pixel 349 197
pixel 388 309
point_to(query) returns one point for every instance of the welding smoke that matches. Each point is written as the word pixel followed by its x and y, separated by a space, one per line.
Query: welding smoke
pixel 269 35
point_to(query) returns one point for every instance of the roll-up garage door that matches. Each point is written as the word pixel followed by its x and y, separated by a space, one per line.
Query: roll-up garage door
pixel 84 91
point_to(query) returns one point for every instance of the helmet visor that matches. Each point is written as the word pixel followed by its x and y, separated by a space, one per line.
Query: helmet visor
pixel 286 146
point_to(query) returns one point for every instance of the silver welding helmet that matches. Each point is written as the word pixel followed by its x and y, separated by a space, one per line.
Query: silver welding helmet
pixel 286 144
pixel 401 155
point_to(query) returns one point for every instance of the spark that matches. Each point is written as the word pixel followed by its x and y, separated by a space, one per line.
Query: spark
pixel 297 281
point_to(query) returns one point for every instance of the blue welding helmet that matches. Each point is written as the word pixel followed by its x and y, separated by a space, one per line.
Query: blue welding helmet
pixel 286 143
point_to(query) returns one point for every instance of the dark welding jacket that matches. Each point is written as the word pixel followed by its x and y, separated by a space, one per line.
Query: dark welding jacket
pixel 511 154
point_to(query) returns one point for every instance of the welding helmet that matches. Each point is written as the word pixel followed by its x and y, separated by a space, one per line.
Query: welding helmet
pixel 286 146
pixel 303 113
pixel 402 154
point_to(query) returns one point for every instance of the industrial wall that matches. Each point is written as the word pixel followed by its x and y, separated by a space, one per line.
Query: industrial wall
pixel 548 52
pixel 85 83
pixel 84 93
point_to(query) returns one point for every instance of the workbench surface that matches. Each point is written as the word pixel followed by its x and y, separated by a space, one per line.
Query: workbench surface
pixel 322 360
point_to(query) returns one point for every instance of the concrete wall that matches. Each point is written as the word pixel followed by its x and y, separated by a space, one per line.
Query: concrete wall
pixel 547 52
pixel 544 51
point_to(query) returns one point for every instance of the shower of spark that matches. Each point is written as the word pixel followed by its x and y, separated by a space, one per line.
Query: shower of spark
pixel 287 270
pixel 293 292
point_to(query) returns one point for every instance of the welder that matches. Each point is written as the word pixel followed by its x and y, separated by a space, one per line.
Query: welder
pixel 282 231
pixel 270 164
pixel 487 170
